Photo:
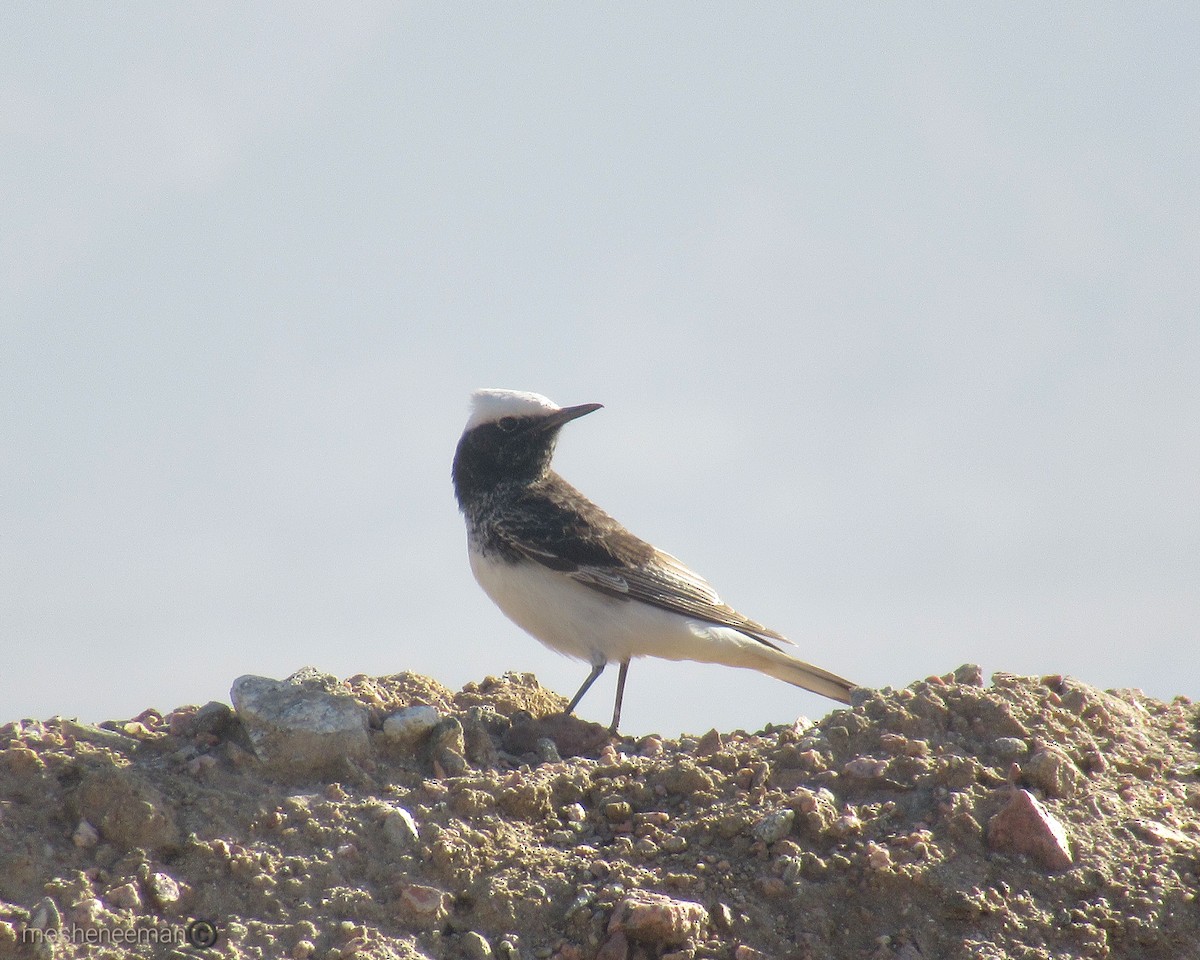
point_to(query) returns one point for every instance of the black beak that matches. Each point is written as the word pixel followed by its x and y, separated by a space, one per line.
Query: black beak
pixel 566 415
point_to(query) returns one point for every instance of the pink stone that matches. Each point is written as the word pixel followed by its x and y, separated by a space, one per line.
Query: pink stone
pixel 422 905
pixel 653 918
pixel 1025 826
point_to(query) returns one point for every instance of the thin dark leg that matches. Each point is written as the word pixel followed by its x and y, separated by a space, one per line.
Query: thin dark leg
pixel 620 696
pixel 597 669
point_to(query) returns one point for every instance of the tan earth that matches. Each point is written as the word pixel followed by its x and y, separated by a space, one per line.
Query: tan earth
pixel 1033 818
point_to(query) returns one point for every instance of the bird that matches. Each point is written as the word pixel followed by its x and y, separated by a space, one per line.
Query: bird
pixel 566 572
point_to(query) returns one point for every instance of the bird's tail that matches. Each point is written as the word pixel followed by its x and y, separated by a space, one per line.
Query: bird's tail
pixel 778 664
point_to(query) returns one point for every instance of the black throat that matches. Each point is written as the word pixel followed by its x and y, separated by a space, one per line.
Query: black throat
pixel 491 458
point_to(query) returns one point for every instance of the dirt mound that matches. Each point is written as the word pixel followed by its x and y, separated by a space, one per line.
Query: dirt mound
pixel 389 817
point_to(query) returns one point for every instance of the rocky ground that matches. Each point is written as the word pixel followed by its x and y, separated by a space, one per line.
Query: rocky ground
pixel 389 817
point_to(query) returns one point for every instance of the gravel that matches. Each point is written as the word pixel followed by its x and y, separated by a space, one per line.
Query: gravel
pixel 380 817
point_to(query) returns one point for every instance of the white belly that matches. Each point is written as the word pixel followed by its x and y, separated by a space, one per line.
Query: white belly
pixel 581 622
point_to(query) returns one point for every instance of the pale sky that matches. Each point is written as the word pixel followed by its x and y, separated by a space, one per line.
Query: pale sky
pixel 894 311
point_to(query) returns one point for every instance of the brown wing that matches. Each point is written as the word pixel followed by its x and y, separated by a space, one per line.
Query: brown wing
pixel 560 529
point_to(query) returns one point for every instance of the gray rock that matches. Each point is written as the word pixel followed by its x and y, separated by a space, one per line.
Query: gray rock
pixel 969 674
pixel 400 827
pixel 547 751
pixel 297 726
pixel 214 719
pixel 409 726
pixel 476 947
pixel 774 826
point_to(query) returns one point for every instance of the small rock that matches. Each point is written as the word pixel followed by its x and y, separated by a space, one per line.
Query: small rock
pixel 969 674
pixel 617 811
pixel 744 952
pixel 878 856
pixel 215 720
pixel 547 750
pixel 299 727
pixel 774 826
pixel 475 946
pixel 650 747
pixel 1161 835
pixel 658 920
pixel 409 726
pixel 400 827
pixel 163 890
pixel 45 916
pixel 1025 826
pixel 422 906
pixel 847 825
pixel 1052 772
pixel 772 887
pixel 85 836
pixel 574 813
pixel 709 744
pixel 303 950
pixel 865 768
pixel 124 897
pixel 86 912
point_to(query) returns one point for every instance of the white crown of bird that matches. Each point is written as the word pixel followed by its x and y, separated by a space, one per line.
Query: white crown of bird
pixel 489 405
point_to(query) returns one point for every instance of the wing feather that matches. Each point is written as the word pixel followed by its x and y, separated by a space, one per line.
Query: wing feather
pixel 560 529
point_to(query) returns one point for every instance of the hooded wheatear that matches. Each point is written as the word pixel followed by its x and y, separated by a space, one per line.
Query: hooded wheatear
pixel 564 570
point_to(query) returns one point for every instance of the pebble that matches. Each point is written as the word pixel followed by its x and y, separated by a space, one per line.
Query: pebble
pixel 658 920
pixel 85 836
pixel 400 827
pixel 1026 827
pixel 124 897
pixel 574 813
pixel 650 747
pixel 423 906
pixel 1160 834
pixel 617 811
pixel 674 843
pixel 45 915
pixel 774 826
pixel 969 674
pixel 475 946
pixel 297 726
pixel 163 889
pixel 547 750
pixel 865 768
pixel 87 912
pixel 408 726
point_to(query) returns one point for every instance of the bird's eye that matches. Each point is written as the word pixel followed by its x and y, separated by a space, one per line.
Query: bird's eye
pixel 507 424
